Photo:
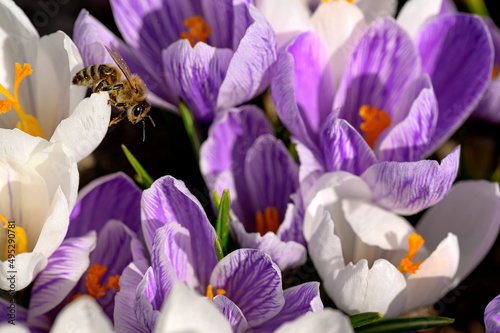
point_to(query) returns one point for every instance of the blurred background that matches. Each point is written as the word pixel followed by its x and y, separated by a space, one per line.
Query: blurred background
pixel 167 151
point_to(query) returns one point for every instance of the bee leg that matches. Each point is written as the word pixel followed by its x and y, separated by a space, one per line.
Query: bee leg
pixel 117 119
pixel 100 86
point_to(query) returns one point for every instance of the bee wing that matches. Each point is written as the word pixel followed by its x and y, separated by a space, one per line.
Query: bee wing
pixel 118 59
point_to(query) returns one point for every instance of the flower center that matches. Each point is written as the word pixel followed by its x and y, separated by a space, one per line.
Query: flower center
pixel 495 71
pixel 17 242
pixel 27 123
pixel 270 221
pixel 198 30
pixel 93 282
pixel 415 242
pixel 210 293
pixel 375 122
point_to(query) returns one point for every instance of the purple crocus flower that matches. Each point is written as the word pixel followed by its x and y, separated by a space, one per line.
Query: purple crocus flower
pixel 101 241
pixel 247 283
pixel 397 102
pixel 492 316
pixel 241 154
pixel 210 54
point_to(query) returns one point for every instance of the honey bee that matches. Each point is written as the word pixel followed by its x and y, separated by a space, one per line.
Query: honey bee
pixel 127 95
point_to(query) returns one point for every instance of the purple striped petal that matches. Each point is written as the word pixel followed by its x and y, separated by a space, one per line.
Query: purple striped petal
pixel 253 282
pixel 234 315
pixel 343 147
pixel 409 187
pixel 291 228
pixel 166 259
pixel 167 201
pixel 299 300
pixel 311 167
pixel 112 197
pixel 409 140
pixel 286 254
pixel 384 63
pixel 230 137
pixel 456 51
pixel 271 176
pixel 64 269
pixel 249 72
pixel 492 316
pixel 195 74
pixel 146 313
pixel 124 314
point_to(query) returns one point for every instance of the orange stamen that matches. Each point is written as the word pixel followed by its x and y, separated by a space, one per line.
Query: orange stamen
pixel 210 293
pixel 270 221
pixel 198 30
pixel 415 242
pixel 93 281
pixel 495 71
pixel 376 121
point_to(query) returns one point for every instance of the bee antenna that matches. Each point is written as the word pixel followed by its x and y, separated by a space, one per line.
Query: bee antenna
pixel 152 122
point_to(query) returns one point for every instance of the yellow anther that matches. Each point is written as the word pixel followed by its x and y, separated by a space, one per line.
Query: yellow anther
pixel 27 123
pixel 210 293
pixel 198 30
pixel 17 241
pixel 270 221
pixel 93 281
pixel 415 242
pixel 376 121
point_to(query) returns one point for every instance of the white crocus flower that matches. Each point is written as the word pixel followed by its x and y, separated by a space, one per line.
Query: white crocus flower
pixel 415 13
pixel 362 253
pixel 327 320
pixel 84 315
pixel 339 23
pixel 45 103
pixel 38 189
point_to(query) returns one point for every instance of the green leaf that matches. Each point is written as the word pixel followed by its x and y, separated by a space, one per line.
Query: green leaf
pixel 363 319
pixel 477 7
pixel 143 177
pixel 404 324
pixel 216 199
pixel 222 221
pixel 218 248
pixel 191 129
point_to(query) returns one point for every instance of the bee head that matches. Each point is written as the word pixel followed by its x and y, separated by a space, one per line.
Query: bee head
pixel 140 111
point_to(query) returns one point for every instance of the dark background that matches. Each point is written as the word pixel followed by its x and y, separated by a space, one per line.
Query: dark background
pixel 167 151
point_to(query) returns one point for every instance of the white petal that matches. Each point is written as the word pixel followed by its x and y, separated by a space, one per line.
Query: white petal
pixel 433 277
pixel 21 271
pixel 82 315
pixel 357 289
pixel 17 328
pixel 415 13
pixel 340 25
pixel 19 146
pixel 375 9
pixel 471 211
pixel 186 311
pixel 328 321
pixel 84 130
pixel 289 18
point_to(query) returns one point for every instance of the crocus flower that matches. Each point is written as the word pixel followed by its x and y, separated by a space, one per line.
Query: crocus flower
pixel 212 55
pixel 35 82
pixel 39 188
pixel 241 154
pixel 397 101
pixel 327 320
pixel 371 259
pixel 246 283
pixel 101 241
pixel 491 316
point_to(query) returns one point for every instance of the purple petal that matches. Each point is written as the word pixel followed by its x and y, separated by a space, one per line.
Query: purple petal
pixel 311 167
pixel 253 282
pixel 492 316
pixel 167 201
pixel 343 147
pixel 163 258
pixel 448 7
pixel 234 315
pixel 409 140
pixel 409 187
pixel 195 74
pixel 64 269
pixel 271 175
pixel 124 314
pixel 291 229
pixel 457 53
pixel 146 313
pixel 249 72
pixel 298 301
pixel 112 197
pixel 286 254
pixel 220 17
pixel 284 93
pixel 230 137
pixel 382 65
